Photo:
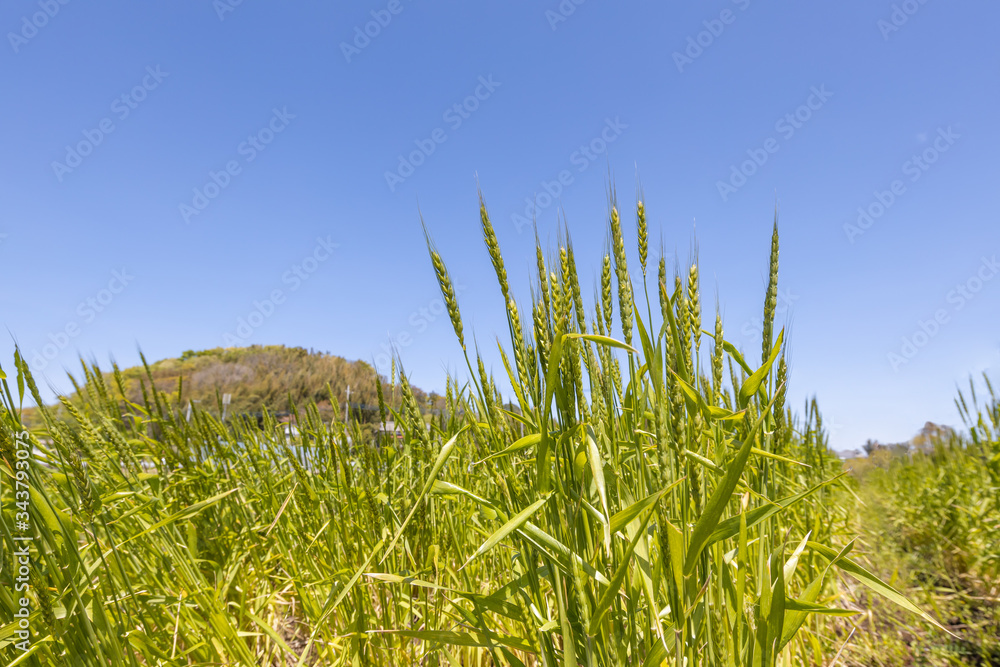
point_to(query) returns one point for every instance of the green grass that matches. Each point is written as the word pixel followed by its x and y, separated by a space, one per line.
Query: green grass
pixel 932 523
pixel 643 496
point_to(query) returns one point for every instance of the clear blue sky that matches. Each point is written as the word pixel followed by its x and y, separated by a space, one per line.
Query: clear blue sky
pixel 308 117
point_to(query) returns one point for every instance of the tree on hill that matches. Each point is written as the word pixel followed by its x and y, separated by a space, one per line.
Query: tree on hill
pixel 923 441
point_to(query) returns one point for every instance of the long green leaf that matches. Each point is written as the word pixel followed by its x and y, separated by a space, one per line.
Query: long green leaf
pixel 515 522
pixel 185 513
pixel 603 340
pixel 731 527
pixel 597 469
pixel 625 517
pixel 717 502
pixel 754 382
pixel 442 458
pixel 609 595
pixel 874 583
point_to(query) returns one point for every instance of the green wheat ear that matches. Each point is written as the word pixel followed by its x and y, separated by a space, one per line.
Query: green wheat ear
pixel 447 289
pixel 717 357
pixel 781 381
pixel 606 301
pixel 771 299
pixel 621 267
pixel 493 246
pixel 381 398
pixel 643 233
pixel 574 281
pixel 661 277
pixel 694 299
pixel 542 274
pixel 520 350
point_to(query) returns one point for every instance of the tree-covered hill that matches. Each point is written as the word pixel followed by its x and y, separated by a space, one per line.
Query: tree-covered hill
pixel 259 377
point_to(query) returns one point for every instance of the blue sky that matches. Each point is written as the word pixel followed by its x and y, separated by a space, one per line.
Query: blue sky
pixel 169 169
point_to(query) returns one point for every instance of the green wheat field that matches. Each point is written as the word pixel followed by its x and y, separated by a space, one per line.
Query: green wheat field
pixel 634 490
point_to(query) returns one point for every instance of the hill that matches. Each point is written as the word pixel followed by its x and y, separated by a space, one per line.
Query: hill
pixel 261 376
